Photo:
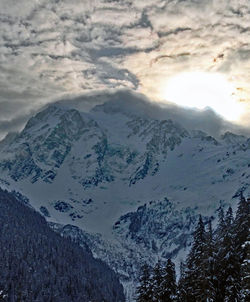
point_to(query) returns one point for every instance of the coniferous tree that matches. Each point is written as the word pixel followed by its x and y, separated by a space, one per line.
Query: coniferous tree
pixel 219 261
pixel 169 287
pixel 157 282
pixel 221 227
pixel 231 261
pixel 195 282
pixel 245 272
pixel 229 219
pixel 242 244
pixel 182 286
pixel 241 226
pixel 209 264
pixel 217 266
pixel 227 265
pixel 36 264
pixel 144 290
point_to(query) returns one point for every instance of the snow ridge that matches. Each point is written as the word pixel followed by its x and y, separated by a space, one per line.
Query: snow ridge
pixel 133 185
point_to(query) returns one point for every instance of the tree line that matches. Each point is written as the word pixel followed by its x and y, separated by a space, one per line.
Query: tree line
pixel 217 268
pixel 38 265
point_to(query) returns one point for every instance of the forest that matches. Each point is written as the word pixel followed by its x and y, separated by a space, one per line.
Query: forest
pixel 217 268
pixel 38 265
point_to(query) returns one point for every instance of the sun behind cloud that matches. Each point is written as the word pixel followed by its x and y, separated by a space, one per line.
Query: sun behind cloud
pixel 201 90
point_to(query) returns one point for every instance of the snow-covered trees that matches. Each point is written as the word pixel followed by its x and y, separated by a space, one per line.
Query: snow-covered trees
pixel 229 258
pixel 217 266
pixel 169 285
pixel 36 264
pixel 157 284
pixel 245 272
pixel 195 279
pixel 242 245
pixel 157 279
pixel 144 290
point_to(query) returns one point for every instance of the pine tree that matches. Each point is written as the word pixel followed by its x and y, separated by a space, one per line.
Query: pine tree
pixel 195 283
pixel 229 218
pixel 144 290
pixel 217 268
pixel 209 264
pixel 245 272
pixel 219 263
pixel 241 226
pixel 157 282
pixel 242 242
pixel 37 264
pixel 169 287
pixel 231 261
pixel 221 227
pixel 182 286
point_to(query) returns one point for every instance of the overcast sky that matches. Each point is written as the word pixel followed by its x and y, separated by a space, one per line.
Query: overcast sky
pixel 51 48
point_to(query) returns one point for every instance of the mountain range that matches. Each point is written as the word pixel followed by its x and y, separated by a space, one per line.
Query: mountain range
pixel 128 185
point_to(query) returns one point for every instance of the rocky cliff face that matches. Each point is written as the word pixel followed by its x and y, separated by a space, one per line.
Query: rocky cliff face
pixel 132 184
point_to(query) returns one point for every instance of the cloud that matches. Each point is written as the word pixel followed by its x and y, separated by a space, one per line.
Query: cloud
pixel 132 103
pixel 51 48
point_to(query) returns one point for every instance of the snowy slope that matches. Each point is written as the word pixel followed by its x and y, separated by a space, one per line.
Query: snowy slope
pixel 134 185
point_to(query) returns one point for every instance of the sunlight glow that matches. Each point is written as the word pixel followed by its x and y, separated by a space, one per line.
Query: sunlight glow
pixel 200 90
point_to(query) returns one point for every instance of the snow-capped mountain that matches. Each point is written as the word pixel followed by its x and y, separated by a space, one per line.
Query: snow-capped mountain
pixel 128 185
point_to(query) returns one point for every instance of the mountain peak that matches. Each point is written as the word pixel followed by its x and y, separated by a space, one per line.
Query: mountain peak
pixel 49 112
pixel 126 102
pixel 232 138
